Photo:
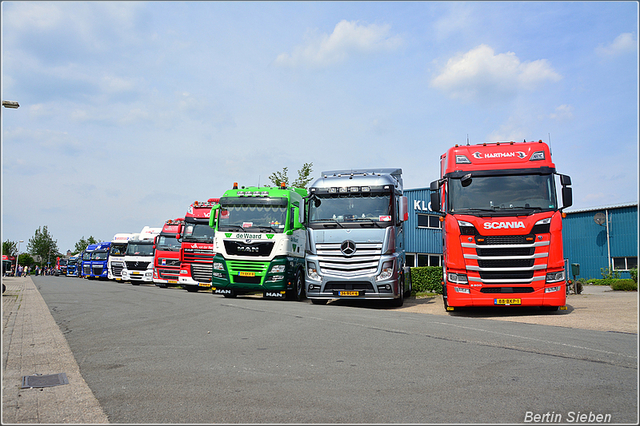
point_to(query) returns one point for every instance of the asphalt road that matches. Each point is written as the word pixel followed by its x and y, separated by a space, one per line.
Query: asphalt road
pixel 154 355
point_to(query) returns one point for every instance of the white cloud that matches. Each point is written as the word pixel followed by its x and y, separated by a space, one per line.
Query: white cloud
pixel 562 113
pixel 347 39
pixel 624 43
pixel 481 74
pixel 513 130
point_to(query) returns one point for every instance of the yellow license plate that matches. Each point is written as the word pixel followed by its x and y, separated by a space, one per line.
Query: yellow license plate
pixel 247 274
pixel 507 301
pixel 348 293
pixel 204 285
pixel 172 281
pixel 136 273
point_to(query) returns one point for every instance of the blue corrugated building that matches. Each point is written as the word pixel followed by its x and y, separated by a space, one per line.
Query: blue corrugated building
pixel 597 238
pixel 423 230
pixel 586 243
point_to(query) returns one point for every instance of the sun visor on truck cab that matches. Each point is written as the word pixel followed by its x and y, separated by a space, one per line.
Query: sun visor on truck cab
pixel 253 201
pixel 476 173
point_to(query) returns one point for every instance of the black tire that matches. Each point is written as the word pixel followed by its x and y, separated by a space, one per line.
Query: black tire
pixel 191 288
pixel 444 297
pixel 319 301
pixel 298 292
pixel 397 303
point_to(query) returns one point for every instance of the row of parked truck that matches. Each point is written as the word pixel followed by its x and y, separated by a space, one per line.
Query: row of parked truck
pixel 344 236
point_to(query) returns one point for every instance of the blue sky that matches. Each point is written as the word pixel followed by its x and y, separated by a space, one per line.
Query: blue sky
pixel 131 111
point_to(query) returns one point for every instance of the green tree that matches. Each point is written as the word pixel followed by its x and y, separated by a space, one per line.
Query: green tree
pixel 9 248
pixel 83 244
pixel 43 245
pixel 301 181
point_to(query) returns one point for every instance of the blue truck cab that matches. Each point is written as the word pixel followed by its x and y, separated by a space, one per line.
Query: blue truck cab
pixel 85 270
pixel 73 265
pixel 99 259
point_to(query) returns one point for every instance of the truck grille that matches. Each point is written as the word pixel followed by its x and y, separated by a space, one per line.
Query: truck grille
pixel 168 274
pixel 494 290
pixel 364 261
pixel 506 259
pixel 137 266
pixel 201 261
pixel 97 270
pixel 201 272
pixel 86 269
pixel 507 263
pixel 239 248
pixel 258 268
pixel 116 269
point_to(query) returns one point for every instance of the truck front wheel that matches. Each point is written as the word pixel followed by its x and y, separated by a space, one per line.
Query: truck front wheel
pixel 298 292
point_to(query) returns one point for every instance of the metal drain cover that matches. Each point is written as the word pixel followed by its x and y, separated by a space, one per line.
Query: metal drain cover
pixel 44 381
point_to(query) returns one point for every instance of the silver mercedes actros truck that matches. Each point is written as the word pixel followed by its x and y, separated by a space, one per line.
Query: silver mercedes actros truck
pixel 355 248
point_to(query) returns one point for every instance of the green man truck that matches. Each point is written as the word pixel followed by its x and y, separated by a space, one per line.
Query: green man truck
pixel 259 242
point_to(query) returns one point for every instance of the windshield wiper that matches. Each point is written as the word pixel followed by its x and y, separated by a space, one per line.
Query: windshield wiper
pixel 236 227
pixel 358 219
pixel 328 220
pixel 265 228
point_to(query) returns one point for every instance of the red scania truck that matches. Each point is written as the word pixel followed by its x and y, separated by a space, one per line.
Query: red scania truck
pixel 166 262
pixel 196 251
pixel 502 225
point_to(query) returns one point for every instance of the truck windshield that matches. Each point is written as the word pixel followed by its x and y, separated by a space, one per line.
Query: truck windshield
pixel 99 255
pixel 118 249
pixel 346 208
pixel 140 249
pixel 263 218
pixel 168 243
pixel 198 232
pixel 498 193
pixel 63 262
pixel 87 255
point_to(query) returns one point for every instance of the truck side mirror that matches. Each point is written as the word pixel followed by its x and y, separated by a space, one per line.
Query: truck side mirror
pixel 403 214
pixel 567 192
pixel 179 232
pixel 435 196
pixel 212 216
pixel 567 197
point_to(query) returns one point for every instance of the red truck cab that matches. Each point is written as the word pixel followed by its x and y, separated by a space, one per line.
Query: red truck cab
pixel 502 225
pixel 196 250
pixel 166 262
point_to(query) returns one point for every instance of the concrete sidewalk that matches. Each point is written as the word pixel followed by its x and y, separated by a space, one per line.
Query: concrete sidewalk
pixel 32 344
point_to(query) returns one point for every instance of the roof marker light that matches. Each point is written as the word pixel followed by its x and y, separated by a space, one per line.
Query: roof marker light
pixel 235 185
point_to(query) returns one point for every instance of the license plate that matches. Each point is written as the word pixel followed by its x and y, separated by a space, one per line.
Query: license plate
pixel 136 273
pixel 348 293
pixel 204 285
pixel 247 274
pixel 172 281
pixel 507 301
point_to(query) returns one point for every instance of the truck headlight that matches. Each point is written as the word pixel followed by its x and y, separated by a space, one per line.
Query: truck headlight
pixel 312 272
pixel 457 278
pixel 554 277
pixel 218 265
pixel 277 269
pixel 387 272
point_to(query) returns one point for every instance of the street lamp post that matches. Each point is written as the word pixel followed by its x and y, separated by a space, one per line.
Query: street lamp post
pixel 18 258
